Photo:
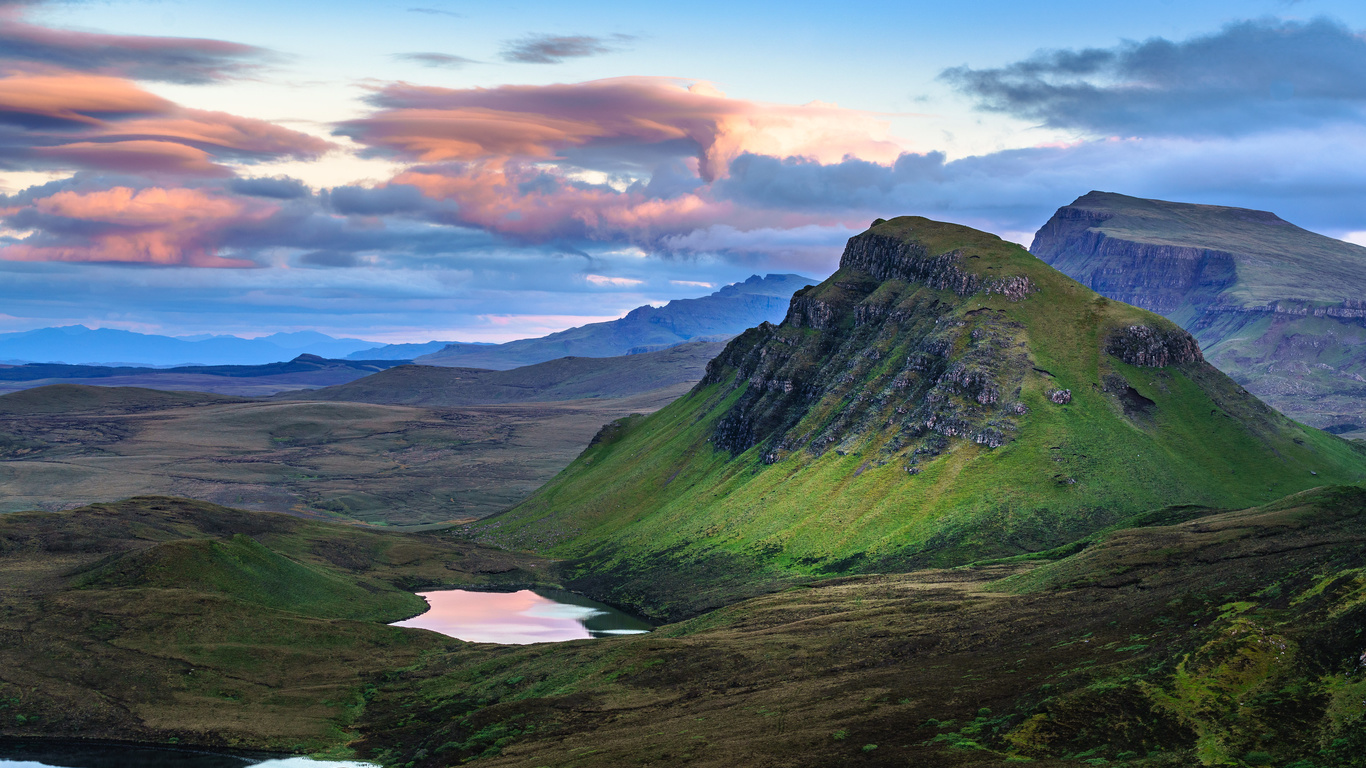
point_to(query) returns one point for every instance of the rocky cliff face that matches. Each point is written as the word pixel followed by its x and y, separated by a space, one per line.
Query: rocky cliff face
pixel 1159 277
pixel 1305 356
pixel 909 369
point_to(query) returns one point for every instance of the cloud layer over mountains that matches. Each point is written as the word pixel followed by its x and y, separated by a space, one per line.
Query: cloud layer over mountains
pixel 558 189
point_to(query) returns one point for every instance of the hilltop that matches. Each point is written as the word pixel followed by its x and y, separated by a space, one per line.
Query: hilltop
pixel 723 314
pixel 944 397
pixel 1278 308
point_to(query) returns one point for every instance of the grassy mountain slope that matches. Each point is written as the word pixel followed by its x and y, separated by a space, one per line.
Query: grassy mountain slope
pixel 1276 307
pixel 943 397
pixel 567 378
pixel 724 313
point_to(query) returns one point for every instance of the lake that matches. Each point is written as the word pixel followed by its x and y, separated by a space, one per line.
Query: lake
pixel 518 618
pixel 20 754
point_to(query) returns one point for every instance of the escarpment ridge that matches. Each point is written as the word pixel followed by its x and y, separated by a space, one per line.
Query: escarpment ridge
pixel 1276 307
pixel 943 397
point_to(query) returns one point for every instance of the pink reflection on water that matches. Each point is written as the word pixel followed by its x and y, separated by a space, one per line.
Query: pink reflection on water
pixel 515 618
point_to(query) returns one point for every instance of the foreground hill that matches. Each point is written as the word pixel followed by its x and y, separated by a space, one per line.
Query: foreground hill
pixel 1280 309
pixel 303 372
pixel 943 397
pixel 184 621
pixel 568 378
pixel 722 314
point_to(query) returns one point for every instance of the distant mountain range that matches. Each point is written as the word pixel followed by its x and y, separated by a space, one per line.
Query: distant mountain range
pixel 718 316
pixel 79 345
pixel 303 372
pixel 645 329
pixel 1280 309
pixel 565 378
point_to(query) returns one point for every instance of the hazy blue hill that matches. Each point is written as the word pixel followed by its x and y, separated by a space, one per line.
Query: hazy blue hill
pixel 303 372
pixel 1280 309
pixel 402 351
pixel 567 378
pixel 76 344
pixel 722 314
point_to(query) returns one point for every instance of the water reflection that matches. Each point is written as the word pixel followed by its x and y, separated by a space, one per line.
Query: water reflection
pixel 518 618
pixel 67 755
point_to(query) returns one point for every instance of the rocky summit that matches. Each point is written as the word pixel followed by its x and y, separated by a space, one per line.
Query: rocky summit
pixel 944 397
pixel 1278 308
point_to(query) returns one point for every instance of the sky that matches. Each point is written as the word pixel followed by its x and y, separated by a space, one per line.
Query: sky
pixel 419 170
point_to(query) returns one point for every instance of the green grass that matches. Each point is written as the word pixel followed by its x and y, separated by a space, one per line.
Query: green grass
pixel 657 517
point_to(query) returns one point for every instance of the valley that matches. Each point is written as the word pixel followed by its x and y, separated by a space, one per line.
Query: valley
pixel 385 464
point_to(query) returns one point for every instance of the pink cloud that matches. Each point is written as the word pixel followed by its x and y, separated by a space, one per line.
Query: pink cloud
pixel 82 121
pixel 74 97
pixel 150 226
pixel 174 59
pixel 430 124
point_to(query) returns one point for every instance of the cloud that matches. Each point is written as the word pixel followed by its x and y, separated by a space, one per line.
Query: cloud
pixel 436 12
pixel 277 187
pixel 75 121
pixel 1250 77
pixel 615 282
pixel 168 59
pixel 692 283
pixel 1312 178
pixel 603 122
pixel 553 49
pixel 147 226
pixel 428 59
pixel 377 201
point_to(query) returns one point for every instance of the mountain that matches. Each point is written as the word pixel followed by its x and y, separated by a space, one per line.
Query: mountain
pixel 1280 309
pixel 942 398
pixel 303 372
pixel 76 344
pixel 405 351
pixel 568 378
pixel 644 329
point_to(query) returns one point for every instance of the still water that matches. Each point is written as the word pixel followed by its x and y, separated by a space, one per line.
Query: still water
pixel 517 618
pixel 66 755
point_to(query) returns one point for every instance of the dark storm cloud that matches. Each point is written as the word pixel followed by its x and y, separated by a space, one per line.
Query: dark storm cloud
pixel 1251 76
pixel 428 59
pixel 553 49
